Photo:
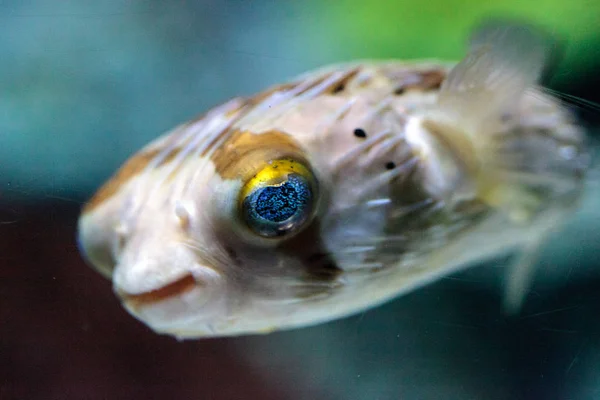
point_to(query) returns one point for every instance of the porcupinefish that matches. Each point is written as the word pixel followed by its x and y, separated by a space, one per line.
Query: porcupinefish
pixel 340 190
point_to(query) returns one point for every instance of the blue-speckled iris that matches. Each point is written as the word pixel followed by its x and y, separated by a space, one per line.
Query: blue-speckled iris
pixel 275 210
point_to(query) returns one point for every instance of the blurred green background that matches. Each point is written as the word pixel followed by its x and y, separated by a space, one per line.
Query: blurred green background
pixel 85 83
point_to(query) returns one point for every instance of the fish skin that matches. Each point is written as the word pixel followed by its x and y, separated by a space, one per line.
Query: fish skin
pixel 454 164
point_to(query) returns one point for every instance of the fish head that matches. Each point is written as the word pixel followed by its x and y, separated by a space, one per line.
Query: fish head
pixel 255 228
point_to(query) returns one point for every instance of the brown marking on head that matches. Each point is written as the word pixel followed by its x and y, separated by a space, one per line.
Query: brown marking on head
pixel 243 153
pixel 138 162
pixel 333 88
pixel 340 85
pixel 235 151
pixel 169 157
pixel 427 80
pixel 250 150
pixel 432 80
pixel 131 168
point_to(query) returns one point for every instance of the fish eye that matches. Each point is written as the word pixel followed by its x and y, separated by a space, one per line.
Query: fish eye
pixel 279 200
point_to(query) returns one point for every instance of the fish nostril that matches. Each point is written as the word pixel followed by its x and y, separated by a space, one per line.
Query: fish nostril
pixel 178 287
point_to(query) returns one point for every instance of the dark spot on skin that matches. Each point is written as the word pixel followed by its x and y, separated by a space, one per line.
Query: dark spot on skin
pixel 233 254
pixel 340 85
pixel 432 80
pixel 323 266
pixel 390 165
pixel 339 88
pixel 121 241
pixel 426 81
pixel 434 86
pixel 358 132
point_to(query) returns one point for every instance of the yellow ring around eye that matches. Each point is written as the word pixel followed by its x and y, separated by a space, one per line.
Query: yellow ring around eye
pixel 274 173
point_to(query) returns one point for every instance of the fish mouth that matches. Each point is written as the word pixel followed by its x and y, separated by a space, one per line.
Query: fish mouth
pixel 188 303
pixel 188 308
pixel 174 289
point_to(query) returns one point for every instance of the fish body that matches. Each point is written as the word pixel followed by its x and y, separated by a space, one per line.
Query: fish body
pixel 339 190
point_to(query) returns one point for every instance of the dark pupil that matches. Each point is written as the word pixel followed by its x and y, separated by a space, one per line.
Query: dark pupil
pixel 278 203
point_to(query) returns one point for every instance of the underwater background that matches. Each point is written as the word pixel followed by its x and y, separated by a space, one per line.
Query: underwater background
pixel 84 84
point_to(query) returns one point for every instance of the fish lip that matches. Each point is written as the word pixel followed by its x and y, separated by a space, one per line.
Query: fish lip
pixel 171 290
pixel 189 303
